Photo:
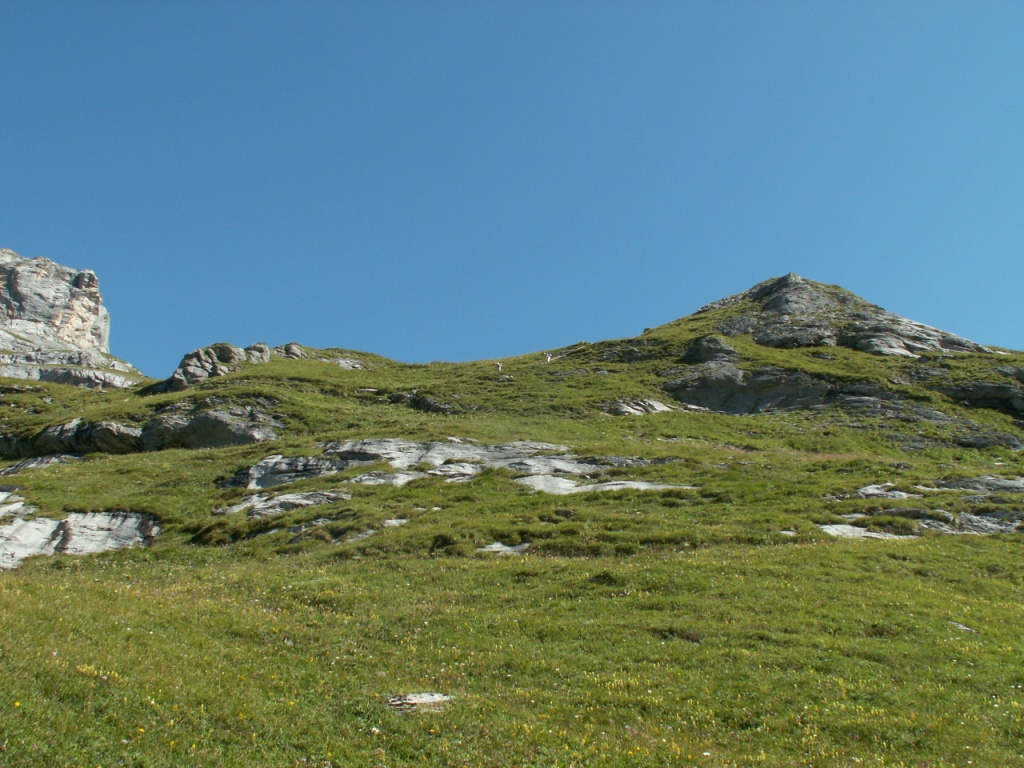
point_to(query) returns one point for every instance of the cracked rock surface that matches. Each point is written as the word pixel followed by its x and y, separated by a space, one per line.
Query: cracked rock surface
pixel 790 311
pixel 81 533
pixel 456 460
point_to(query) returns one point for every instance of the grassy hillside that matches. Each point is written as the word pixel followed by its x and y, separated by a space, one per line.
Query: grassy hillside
pixel 714 624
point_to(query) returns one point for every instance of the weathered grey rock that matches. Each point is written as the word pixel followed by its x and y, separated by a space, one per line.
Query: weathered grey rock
pixel 404 454
pixel 202 426
pixel 258 353
pixel 844 531
pixel 497 548
pixel 977 525
pixel 985 484
pixel 883 333
pixel 394 479
pixel 637 407
pixel 279 470
pixel 37 463
pixel 1007 397
pixel 790 311
pixel 215 360
pixel 85 437
pixel 11 504
pixel 348 363
pixel 183 425
pixel 710 349
pixel 562 486
pixel 410 702
pixel 983 438
pixel 48 306
pixel 455 460
pixel 264 505
pixel 79 534
pixel 721 386
pixel 883 491
pixel 54 327
pixel 293 350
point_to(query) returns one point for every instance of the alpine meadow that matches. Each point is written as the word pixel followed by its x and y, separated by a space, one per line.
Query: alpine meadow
pixel 783 530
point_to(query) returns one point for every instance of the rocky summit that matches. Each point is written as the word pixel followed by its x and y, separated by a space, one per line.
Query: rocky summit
pixel 793 312
pixel 54 327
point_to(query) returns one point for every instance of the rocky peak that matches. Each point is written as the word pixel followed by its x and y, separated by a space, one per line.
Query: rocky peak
pixel 791 311
pixel 53 325
pixel 48 306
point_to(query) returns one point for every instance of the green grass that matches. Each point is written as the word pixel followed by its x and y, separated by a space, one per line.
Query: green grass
pixel 782 655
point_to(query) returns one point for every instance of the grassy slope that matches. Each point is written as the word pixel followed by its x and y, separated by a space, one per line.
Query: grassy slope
pixel 643 629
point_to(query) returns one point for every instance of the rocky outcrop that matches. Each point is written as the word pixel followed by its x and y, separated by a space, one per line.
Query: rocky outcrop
pixel 721 386
pixel 456 461
pixel 710 349
pixel 280 470
pixel 563 486
pixel 39 462
pixel 222 358
pixel 47 306
pixel 790 312
pixel 209 424
pixel 987 484
pixel 264 505
pixel 1007 397
pixel 636 407
pixel 215 360
pixel 81 533
pixel 54 327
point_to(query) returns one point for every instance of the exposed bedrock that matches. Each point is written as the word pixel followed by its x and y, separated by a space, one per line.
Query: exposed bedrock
pixel 81 533
pixel 721 386
pixel 182 425
pixel 790 312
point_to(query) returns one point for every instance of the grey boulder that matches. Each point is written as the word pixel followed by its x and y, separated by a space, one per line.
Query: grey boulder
pixel 184 426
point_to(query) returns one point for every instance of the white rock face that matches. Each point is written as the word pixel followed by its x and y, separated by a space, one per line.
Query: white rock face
pixel 80 534
pixel 562 486
pixel 47 306
pixel 54 327
pixel 457 461
pixel 883 491
pixel 853 532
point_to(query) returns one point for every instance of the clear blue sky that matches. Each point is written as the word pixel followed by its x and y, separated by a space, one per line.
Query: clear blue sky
pixel 468 180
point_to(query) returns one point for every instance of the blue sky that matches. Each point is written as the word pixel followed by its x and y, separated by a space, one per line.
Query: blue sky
pixel 470 180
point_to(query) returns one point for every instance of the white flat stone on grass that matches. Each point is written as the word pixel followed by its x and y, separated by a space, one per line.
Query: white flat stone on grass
pixel 410 702
pixel 855 532
pixel 81 533
pixel 498 548
pixel 563 486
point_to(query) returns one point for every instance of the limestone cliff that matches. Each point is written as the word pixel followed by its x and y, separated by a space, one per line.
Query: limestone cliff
pixel 54 327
